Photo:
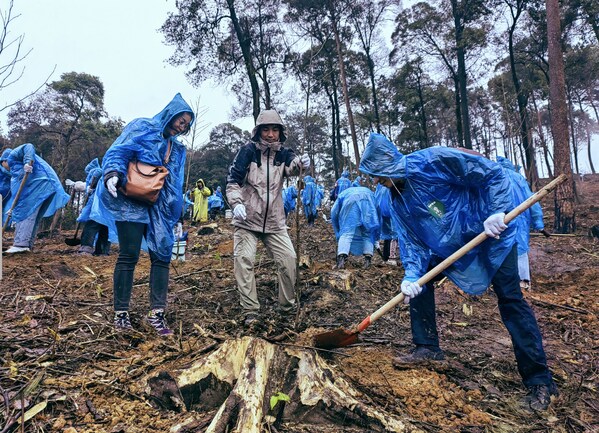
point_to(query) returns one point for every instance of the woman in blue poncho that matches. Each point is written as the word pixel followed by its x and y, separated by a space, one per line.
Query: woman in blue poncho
pixel 441 199
pixel 151 141
pixel 309 199
pixel 42 194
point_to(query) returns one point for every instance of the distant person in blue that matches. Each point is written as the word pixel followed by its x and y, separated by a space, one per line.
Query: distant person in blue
pixel 319 195
pixel 442 198
pixel 152 141
pixel 356 224
pixel 309 199
pixel 289 199
pixel 382 198
pixel 358 181
pixel 216 205
pixel 42 194
pixel 532 218
pixel 187 205
pixel 94 237
pixel 341 185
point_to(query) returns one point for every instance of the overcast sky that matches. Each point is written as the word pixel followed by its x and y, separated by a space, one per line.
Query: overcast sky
pixel 117 41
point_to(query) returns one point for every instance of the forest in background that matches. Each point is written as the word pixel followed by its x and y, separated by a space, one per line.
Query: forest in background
pixel 470 73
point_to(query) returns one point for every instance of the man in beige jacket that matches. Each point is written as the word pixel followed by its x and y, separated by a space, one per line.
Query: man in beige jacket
pixel 254 192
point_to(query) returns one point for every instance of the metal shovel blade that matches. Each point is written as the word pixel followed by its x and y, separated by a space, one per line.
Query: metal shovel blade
pixel 334 339
pixel 72 242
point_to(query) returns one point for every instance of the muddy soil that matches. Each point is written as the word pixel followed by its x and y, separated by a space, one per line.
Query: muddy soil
pixel 63 368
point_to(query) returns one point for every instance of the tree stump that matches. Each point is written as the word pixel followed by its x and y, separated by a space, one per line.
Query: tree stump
pixel 239 379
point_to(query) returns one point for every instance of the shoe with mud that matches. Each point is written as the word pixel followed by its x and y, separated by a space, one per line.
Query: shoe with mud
pixel 539 396
pixel 250 319
pixel 341 259
pixel 122 322
pixel 418 355
pixel 155 320
pixel 367 261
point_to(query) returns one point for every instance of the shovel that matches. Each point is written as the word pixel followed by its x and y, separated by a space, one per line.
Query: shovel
pixel 342 337
pixel 14 202
pixel 74 241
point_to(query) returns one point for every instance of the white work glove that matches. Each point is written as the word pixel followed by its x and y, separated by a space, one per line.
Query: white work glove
pixel 494 225
pixel 305 161
pixel 111 185
pixel 79 186
pixel 239 212
pixel 28 168
pixel 410 289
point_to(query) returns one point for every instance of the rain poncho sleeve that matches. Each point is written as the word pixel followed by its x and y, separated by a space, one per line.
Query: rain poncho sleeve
pixel 442 199
pixel 143 139
pixel 354 212
pixel 41 185
pixel 94 174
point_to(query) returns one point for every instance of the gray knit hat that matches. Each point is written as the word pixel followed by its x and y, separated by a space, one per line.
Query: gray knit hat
pixel 268 117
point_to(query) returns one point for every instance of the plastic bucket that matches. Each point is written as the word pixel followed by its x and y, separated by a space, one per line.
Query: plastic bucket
pixel 179 251
pixel 229 213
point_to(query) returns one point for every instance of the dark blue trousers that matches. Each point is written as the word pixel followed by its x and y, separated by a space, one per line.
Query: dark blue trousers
pixel 516 314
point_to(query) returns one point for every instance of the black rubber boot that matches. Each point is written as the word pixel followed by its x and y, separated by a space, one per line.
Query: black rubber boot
pixel 341 258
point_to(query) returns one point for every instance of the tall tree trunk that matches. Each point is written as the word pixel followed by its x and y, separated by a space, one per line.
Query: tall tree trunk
pixel 573 129
pixel 542 136
pixel 565 214
pixel 350 116
pixel 463 81
pixel 458 112
pixel 244 45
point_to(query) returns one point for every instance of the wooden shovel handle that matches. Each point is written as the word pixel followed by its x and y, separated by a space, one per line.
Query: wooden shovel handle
pixel 14 202
pixel 465 249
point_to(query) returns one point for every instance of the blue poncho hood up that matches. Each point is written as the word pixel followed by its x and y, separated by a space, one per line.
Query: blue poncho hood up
pixel 533 217
pixel 354 212
pixel 289 198
pixel 41 185
pixel 445 197
pixel 143 139
pixel 309 196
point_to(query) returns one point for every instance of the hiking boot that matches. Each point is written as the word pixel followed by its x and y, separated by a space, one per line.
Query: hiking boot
pixel 85 250
pixel 122 322
pixel 341 259
pixel 17 250
pixel 156 320
pixel 250 319
pixel 420 354
pixel 539 396
pixel 367 261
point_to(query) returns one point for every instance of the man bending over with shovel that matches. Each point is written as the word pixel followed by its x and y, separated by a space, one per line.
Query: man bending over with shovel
pixel 441 199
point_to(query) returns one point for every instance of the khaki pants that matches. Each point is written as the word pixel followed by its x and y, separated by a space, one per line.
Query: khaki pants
pixel 281 250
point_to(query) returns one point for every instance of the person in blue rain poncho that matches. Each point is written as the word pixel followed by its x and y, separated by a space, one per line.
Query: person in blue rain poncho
pixel 382 198
pixel 442 198
pixel 319 195
pixel 309 199
pixel 356 224
pixel 215 205
pixel 531 218
pixel 42 194
pixel 289 199
pixel 152 141
pixel 340 185
pixel 358 181
pixel 94 237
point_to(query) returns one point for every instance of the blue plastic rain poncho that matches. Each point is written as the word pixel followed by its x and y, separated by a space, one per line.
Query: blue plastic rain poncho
pixel 41 185
pixel 215 202
pixel 94 174
pixel 309 197
pixel 382 198
pixel 4 178
pixel 219 192
pixel 357 181
pixel 533 217
pixel 319 195
pixel 341 185
pixel 143 139
pixel 289 199
pixel 355 212
pixel 445 197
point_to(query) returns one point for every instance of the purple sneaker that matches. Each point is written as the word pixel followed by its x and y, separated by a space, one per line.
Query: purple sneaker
pixel 156 320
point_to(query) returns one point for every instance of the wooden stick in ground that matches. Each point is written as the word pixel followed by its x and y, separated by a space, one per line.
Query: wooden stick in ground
pixel 14 202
